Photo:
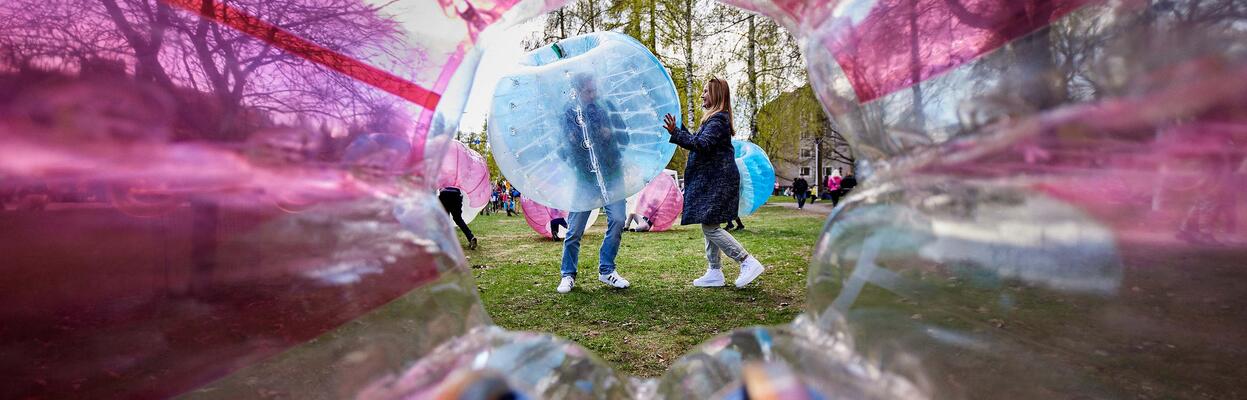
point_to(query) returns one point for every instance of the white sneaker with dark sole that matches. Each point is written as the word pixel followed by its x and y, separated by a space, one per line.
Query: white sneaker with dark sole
pixel 712 278
pixel 566 284
pixel 749 270
pixel 614 280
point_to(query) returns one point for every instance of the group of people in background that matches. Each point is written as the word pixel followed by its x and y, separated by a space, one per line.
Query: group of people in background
pixel 834 188
pixel 503 197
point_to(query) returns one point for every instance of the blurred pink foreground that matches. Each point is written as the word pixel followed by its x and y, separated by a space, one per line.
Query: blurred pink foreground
pixel 236 200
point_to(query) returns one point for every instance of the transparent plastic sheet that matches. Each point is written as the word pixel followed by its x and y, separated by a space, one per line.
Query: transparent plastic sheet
pixel 795 361
pixel 1051 194
pixel 229 199
pixel 522 364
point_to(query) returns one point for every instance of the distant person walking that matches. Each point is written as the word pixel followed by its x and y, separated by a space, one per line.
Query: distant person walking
pixel 712 184
pixel 800 190
pixel 452 201
pixel 515 199
pixel 492 207
pixel 846 185
pixel 505 197
pixel 833 186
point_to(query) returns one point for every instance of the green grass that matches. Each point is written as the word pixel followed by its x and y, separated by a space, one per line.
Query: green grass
pixel 643 329
pixel 781 199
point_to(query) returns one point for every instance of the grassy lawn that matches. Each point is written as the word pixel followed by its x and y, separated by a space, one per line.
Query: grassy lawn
pixel 643 329
pixel 780 199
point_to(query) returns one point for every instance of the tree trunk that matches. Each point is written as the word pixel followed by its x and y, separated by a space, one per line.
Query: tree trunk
pixel 1040 88
pixel 146 50
pixel 635 18
pixel 592 14
pixel 653 33
pixel 915 68
pixel 818 166
pixel 688 57
pixel 562 25
pixel 752 69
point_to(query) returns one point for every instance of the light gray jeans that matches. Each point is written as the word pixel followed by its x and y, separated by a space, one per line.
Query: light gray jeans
pixel 718 240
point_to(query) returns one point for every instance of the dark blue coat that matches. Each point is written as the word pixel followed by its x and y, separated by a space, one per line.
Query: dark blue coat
pixel 602 125
pixel 711 182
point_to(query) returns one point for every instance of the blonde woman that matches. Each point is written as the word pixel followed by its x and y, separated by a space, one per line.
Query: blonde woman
pixel 712 184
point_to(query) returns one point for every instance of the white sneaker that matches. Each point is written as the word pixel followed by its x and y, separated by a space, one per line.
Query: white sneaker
pixel 566 284
pixel 749 270
pixel 712 278
pixel 614 280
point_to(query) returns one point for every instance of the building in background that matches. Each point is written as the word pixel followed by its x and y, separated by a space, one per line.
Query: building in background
pixel 800 140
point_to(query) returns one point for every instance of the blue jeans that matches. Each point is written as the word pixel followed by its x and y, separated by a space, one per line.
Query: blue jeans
pixel 610 245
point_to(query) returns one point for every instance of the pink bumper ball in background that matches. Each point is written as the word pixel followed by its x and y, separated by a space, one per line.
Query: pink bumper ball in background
pixel 465 169
pixel 660 201
pixel 539 217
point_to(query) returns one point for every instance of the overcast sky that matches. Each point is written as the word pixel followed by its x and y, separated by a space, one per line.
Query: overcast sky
pixel 502 53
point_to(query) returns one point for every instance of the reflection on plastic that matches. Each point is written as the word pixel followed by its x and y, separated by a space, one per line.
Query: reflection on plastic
pixel 1051 193
pixel 208 210
pixel 787 362
pixel 527 364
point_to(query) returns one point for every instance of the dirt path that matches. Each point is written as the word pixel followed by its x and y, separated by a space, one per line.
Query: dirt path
pixel 822 207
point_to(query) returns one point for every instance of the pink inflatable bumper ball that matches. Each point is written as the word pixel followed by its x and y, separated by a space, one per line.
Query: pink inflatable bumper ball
pixel 465 169
pixel 660 202
pixel 539 217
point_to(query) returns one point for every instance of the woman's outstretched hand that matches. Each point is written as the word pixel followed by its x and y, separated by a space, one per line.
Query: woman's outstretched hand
pixel 669 123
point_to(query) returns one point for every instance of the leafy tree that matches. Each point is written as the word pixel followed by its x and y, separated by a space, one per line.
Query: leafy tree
pixel 793 119
pixel 773 64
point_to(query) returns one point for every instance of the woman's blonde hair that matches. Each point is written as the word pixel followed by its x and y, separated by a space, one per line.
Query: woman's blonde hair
pixel 720 96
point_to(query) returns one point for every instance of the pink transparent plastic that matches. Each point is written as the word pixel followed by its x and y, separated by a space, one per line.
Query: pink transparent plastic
pixel 538 217
pixel 465 169
pixel 661 201
pixel 1048 209
pixel 203 198
pixel 1050 194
